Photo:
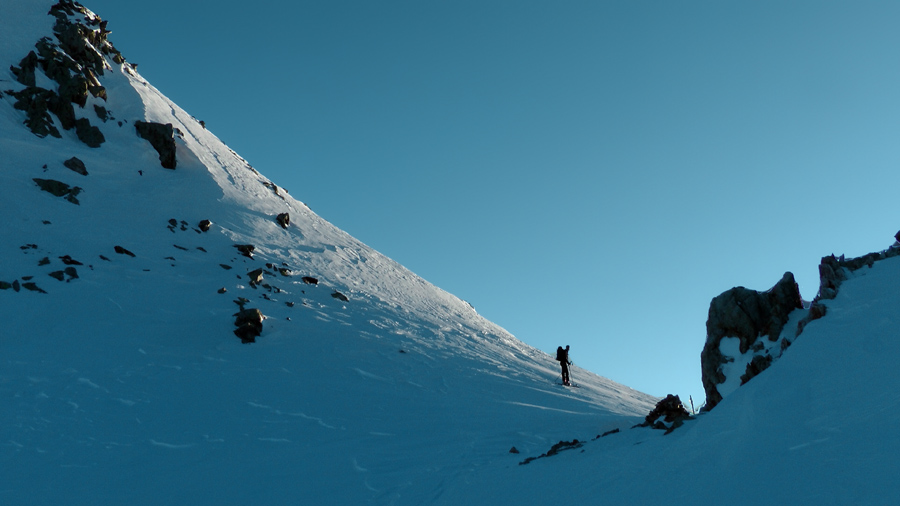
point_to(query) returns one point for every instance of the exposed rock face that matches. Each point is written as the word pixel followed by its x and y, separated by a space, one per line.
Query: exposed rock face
pixel 747 315
pixel 162 138
pixel 835 270
pixel 73 64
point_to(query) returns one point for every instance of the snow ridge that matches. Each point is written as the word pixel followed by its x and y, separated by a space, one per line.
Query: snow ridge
pixel 124 373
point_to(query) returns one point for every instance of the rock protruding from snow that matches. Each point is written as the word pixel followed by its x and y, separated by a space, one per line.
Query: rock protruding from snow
pixel 249 324
pixel 835 270
pixel 59 189
pixel 746 315
pixel 668 415
pixel 76 165
pixel 73 65
pixel 162 138
pixel 283 219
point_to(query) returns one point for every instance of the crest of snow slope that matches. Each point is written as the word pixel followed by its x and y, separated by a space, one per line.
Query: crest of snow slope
pixel 125 385
pixel 816 428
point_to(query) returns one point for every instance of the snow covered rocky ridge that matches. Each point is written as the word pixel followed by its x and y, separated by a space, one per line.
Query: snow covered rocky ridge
pixel 124 383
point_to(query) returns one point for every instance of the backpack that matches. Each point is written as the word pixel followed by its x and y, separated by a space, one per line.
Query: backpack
pixel 560 354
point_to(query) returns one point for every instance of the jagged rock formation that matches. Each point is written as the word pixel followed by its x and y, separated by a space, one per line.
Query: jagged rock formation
pixel 835 270
pixel 73 63
pixel 747 315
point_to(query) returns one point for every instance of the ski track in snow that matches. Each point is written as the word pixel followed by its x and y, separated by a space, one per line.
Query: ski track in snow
pixel 171 446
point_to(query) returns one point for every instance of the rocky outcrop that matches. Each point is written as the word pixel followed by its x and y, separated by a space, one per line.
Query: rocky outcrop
pixel 59 189
pixel 283 219
pixel 835 270
pixel 74 63
pixel 555 450
pixel 36 104
pixel 249 324
pixel 162 138
pixel 668 415
pixel 747 315
pixel 245 249
pixel 256 277
pixel 76 165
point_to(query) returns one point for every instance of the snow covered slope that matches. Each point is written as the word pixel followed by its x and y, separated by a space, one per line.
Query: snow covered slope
pixel 122 382
pixel 818 427
pixel 121 378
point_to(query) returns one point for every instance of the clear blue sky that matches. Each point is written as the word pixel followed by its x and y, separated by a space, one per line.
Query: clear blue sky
pixel 589 173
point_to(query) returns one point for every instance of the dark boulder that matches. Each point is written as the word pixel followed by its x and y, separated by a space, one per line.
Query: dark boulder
pixel 59 189
pixel 204 225
pixel 245 249
pixel 339 296
pixel 101 112
pixel 88 134
pixel 668 415
pixel 122 251
pixel 283 219
pixel 76 165
pixel 309 280
pixel 256 277
pixel 162 138
pixel 747 315
pixel 71 272
pixel 68 260
pixel 33 287
pixel 249 324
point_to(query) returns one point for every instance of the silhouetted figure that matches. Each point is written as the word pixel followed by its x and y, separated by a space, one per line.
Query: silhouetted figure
pixel 562 356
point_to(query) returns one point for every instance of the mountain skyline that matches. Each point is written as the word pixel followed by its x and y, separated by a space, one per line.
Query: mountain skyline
pixel 180 329
pixel 638 159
